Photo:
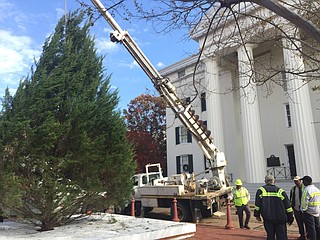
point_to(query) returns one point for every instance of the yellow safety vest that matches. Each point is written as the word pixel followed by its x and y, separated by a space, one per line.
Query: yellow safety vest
pixel 310 200
pixel 240 197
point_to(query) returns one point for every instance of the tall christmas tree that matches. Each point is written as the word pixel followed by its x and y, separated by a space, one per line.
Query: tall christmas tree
pixel 63 141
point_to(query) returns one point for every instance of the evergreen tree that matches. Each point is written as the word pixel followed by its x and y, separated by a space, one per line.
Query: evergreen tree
pixel 63 143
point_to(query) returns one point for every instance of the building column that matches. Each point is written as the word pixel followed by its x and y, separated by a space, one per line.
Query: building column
pixel 254 158
pixel 304 139
pixel 214 116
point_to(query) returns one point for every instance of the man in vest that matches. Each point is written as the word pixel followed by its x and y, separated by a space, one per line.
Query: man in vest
pixel 241 198
pixel 272 203
pixel 295 200
pixel 310 206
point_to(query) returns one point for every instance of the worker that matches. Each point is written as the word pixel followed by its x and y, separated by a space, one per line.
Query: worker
pixel 310 206
pixel 241 198
pixel 295 200
pixel 272 203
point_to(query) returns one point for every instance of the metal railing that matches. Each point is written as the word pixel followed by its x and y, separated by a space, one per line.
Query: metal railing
pixel 279 172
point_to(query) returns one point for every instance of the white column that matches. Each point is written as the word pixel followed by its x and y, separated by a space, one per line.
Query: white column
pixel 304 138
pixel 214 117
pixel 255 161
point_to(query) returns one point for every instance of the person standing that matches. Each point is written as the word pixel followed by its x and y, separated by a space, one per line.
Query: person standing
pixel 272 203
pixel 295 200
pixel 310 206
pixel 241 198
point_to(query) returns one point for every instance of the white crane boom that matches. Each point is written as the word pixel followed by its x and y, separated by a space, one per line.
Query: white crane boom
pixel 167 91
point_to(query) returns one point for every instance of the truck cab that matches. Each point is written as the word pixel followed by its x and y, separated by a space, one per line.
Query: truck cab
pixel 151 177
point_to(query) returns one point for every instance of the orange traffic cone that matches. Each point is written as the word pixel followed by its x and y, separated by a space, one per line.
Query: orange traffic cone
pixel 132 207
pixel 229 224
pixel 175 211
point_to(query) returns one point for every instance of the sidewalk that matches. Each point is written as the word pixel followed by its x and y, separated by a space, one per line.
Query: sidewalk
pixel 220 233
pixel 214 228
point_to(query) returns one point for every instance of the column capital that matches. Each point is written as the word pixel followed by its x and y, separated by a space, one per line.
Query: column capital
pixel 208 58
pixel 249 46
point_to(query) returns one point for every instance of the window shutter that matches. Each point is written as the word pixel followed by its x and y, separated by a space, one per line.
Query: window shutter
pixel 177 135
pixel 189 137
pixel 205 163
pixel 190 163
pixel 178 164
pixel 203 102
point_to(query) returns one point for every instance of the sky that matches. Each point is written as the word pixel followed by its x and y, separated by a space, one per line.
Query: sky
pixel 25 25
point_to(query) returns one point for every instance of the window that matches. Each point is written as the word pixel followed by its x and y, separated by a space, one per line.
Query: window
pixel 184 163
pixel 183 135
pixel 288 116
pixel 203 102
pixel 144 180
pixel 181 73
pixel 135 181
pixel 206 163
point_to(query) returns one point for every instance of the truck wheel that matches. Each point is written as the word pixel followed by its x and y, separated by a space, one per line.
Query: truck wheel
pixel 118 210
pixel 216 207
pixel 207 212
pixel 147 209
pixel 184 213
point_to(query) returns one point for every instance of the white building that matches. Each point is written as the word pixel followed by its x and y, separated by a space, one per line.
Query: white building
pixel 251 119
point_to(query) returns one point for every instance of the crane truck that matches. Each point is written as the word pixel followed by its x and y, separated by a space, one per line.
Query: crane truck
pixel 195 198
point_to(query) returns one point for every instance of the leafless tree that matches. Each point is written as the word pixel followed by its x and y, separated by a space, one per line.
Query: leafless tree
pixel 243 22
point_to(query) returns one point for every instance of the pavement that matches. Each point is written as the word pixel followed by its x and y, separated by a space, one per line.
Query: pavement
pixel 204 232
pixel 155 225
pixel 215 227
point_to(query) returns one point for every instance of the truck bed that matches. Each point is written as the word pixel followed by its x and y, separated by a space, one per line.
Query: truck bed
pixel 178 192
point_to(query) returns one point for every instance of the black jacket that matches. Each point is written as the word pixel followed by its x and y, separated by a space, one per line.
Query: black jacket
pixel 273 205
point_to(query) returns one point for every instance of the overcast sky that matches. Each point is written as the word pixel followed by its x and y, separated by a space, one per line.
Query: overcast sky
pixel 24 26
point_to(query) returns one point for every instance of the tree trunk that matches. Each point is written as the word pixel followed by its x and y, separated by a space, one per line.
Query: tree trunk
pixel 47 225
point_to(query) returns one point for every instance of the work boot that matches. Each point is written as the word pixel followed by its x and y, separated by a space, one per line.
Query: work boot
pixel 247 227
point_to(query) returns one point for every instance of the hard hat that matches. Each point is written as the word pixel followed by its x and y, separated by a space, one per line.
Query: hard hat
pixel 238 182
pixel 296 178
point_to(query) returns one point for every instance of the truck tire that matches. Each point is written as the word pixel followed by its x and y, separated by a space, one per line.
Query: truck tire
pixel 147 209
pixel 127 209
pixel 124 210
pixel 216 207
pixel 184 212
pixel 207 212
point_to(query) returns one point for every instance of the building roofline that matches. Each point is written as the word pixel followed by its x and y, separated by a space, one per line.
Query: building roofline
pixel 179 65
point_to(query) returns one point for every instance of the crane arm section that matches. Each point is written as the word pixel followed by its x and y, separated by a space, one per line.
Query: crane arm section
pixel 166 90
